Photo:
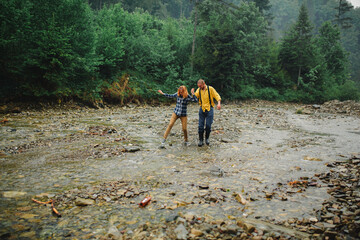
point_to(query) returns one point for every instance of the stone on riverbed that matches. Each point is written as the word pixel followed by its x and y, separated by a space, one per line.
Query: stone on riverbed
pixel 132 148
pixel 13 194
pixel 196 232
pixel 227 140
pixel 84 202
pixel 216 171
pixel 249 228
pixel 181 232
pixel 113 233
pixel 189 216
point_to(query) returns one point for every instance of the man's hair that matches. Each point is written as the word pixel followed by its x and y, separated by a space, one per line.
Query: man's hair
pixel 201 81
pixel 185 91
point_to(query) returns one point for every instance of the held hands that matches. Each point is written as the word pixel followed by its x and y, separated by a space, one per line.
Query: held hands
pixel 161 92
pixel 192 91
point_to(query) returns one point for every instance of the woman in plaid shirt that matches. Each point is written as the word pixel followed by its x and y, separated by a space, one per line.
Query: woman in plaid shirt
pixel 182 99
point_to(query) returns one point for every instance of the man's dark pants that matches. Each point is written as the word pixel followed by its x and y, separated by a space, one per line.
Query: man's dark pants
pixel 207 116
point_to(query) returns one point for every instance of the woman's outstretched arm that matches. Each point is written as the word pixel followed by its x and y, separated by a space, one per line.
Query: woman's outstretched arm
pixel 168 95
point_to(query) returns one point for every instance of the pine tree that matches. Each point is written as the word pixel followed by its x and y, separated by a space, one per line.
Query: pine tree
pixel 334 54
pixel 341 19
pixel 263 5
pixel 296 53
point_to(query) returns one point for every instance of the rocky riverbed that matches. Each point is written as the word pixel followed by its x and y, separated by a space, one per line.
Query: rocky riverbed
pixel 272 171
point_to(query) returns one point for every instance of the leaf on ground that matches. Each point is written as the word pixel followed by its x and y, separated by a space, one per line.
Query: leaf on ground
pixel 312 159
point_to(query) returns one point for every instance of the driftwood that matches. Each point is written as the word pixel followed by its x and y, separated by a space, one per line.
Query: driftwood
pixel 52 205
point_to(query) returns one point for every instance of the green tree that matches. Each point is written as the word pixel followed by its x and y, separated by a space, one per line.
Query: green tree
pixel 61 60
pixel 231 46
pixel 111 33
pixel 15 22
pixel 334 54
pixel 350 39
pixel 342 9
pixel 297 49
pixel 284 14
pixel 49 46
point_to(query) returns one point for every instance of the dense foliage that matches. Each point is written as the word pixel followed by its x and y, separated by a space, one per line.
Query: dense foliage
pixel 125 50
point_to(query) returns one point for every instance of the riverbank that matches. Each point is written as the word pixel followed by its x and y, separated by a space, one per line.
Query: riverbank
pixel 274 156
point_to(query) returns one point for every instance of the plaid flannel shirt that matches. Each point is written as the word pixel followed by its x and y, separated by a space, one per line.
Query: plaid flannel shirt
pixel 181 103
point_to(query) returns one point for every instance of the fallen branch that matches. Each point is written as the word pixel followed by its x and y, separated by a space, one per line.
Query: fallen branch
pixel 4 121
pixel 39 202
pixel 54 209
pixel 52 205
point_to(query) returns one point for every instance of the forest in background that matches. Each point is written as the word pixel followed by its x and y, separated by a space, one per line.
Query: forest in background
pixel 124 50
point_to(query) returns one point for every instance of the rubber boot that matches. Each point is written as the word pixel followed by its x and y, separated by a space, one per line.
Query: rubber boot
pixel 207 138
pixel 163 143
pixel 201 139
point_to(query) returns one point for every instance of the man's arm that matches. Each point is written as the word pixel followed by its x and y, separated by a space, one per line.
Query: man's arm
pixel 217 98
pixel 193 98
pixel 195 93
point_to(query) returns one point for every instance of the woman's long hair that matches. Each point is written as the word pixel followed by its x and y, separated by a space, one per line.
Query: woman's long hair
pixel 185 93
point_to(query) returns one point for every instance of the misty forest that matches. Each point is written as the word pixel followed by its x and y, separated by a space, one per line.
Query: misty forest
pixel 180 119
pixel 122 51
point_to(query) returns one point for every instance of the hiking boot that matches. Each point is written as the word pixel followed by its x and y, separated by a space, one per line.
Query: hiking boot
pixel 186 144
pixel 207 138
pixel 162 145
pixel 201 139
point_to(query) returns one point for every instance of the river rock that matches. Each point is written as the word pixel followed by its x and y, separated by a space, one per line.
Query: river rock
pixel 196 232
pixel 244 236
pixel 3 109
pixel 240 198
pixel 204 186
pixel 28 216
pixel 30 235
pixel 84 202
pixel 181 220
pixel 181 232
pixel 171 218
pixel 113 233
pixel 132 148
pixel 216 171
pixel 13 194
pixel 189 216
pixel 42 195
pixel 231 229
pixel 15 110
pixel 249 228
pixel 226 140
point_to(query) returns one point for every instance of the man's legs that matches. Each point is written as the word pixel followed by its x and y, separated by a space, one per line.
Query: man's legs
pixel 201 127
pixel 184 127
pixel 209 121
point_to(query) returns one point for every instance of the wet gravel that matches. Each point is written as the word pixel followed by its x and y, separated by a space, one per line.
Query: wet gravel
pixel 269 173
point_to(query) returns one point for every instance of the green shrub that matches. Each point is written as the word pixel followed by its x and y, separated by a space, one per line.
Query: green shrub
pixel 270 94
pixel 348 91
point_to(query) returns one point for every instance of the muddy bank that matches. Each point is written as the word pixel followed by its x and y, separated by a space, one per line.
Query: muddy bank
pixel 109 159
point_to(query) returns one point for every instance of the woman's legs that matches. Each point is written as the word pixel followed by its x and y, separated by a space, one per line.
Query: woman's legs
pixel 171 124
pixel 184 127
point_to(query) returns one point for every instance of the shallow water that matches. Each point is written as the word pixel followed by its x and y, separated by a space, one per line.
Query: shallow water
pixel 258 149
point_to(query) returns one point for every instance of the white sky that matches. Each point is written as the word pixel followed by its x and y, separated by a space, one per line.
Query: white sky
pixel 356 3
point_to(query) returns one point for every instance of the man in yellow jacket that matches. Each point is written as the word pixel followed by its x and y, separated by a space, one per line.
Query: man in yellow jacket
pixel 206 95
